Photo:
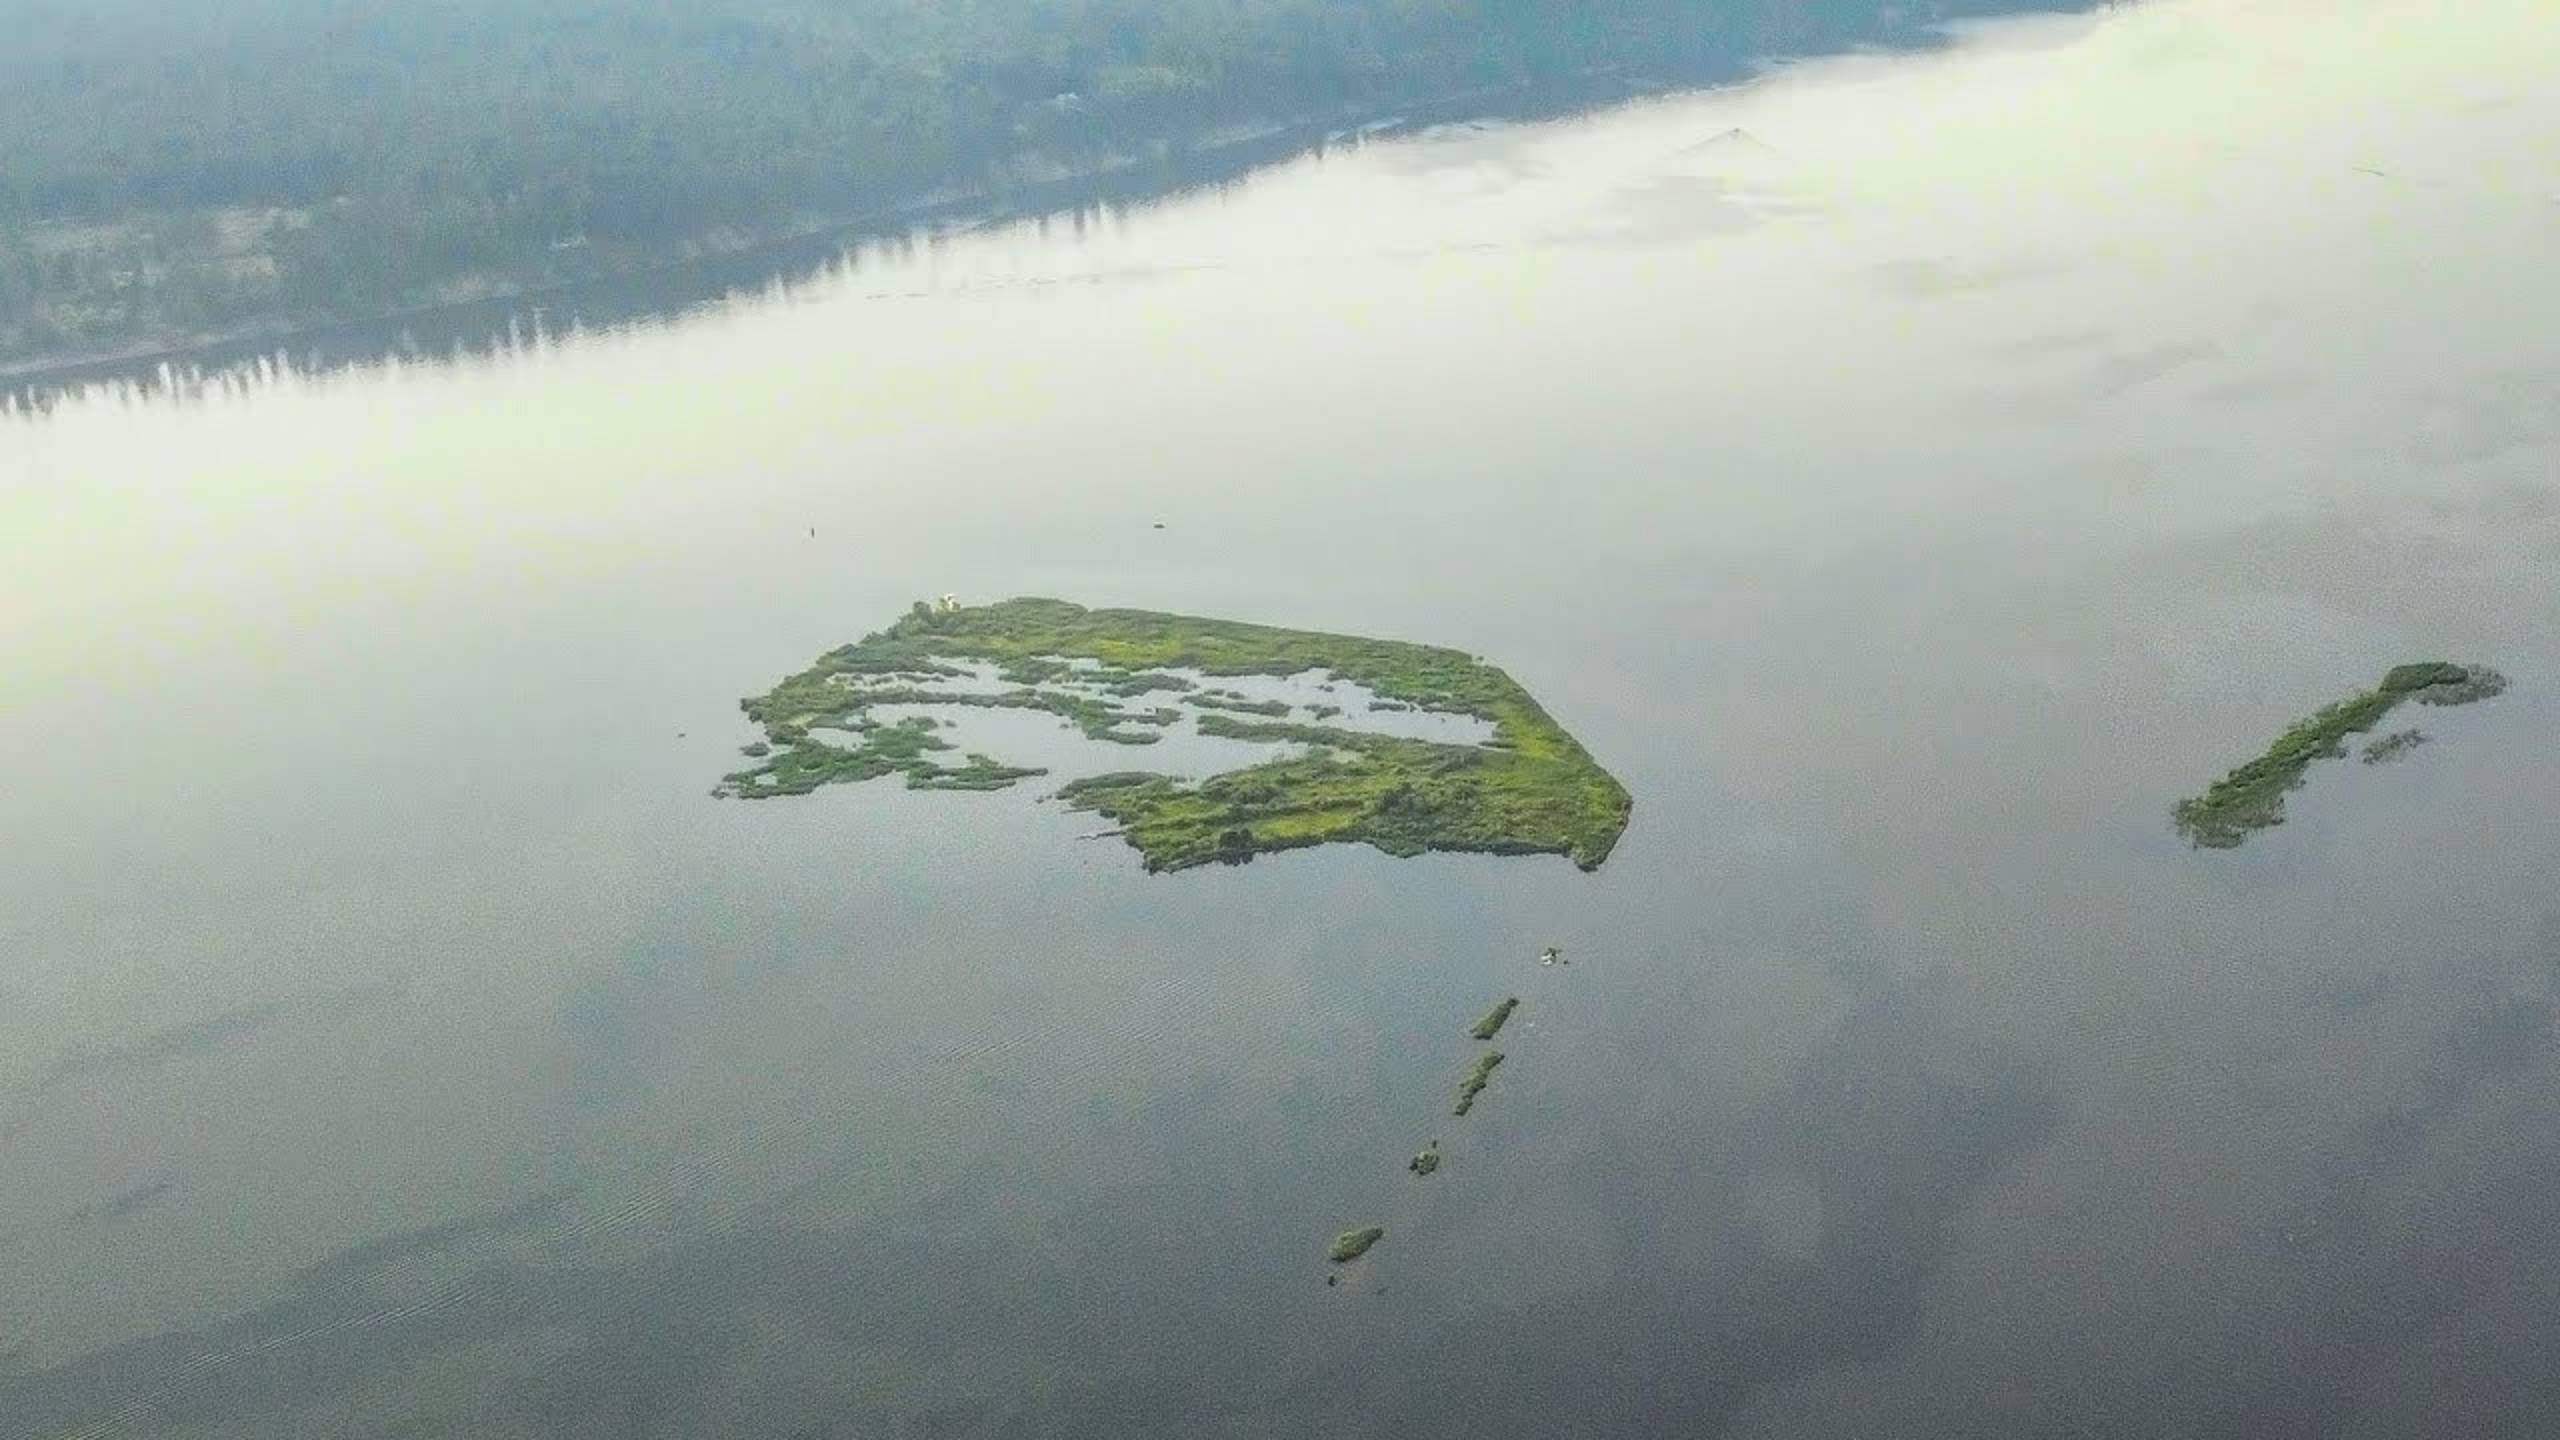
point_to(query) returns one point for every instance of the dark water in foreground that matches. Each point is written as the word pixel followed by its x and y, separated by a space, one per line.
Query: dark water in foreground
pixel 1908 498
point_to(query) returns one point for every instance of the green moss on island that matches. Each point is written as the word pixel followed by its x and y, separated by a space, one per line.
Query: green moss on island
pixel 1529 789
pixel 1477 1078
pixel 1491 1024
pixel 1269 709
pixel 2251 797
pixel 1144 682
pixel 1426 1161
pixel 1350 1245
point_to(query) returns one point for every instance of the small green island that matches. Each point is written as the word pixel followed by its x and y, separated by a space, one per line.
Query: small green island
pixel 1350 1245
pixel 1491 1025
pixel 2251 797
pixel 1528 787
pixel 1477 1078
pixel 1426 1160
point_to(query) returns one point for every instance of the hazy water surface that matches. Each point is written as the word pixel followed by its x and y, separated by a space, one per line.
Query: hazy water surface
pixel 1909 475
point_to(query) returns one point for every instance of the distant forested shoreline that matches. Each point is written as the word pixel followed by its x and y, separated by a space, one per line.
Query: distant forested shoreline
pixel 174 171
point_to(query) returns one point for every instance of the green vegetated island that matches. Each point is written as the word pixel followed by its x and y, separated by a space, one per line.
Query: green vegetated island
pixel 1478 1076
pixel 2251 797
pixel 1426 1162
pixel 1528 788
pixel 1350 1245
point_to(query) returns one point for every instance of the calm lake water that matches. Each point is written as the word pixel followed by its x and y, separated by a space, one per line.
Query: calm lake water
pixel 1909 474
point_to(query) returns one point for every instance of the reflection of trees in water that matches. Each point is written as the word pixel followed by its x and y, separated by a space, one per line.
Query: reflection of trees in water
pixel 451 147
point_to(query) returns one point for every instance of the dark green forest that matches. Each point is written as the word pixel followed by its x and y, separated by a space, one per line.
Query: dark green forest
pixel 178 168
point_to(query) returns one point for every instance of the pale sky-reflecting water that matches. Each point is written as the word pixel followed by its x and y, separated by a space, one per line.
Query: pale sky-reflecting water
pixel 1908 496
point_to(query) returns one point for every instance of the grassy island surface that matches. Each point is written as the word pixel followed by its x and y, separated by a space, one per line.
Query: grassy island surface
pixel 1477 1079
pixel 1426 1160
pixel 2251 797
pixel 1350 1245
pixel 1529 789
pixel 1491 1025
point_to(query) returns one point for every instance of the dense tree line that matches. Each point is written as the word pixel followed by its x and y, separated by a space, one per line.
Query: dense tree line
pixel 179 165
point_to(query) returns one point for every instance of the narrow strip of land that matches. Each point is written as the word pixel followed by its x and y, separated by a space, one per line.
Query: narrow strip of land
pixel 2251 797
pixel 1477 1078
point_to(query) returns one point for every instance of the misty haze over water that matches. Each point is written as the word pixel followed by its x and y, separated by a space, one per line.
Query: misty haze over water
pixel 1909 474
